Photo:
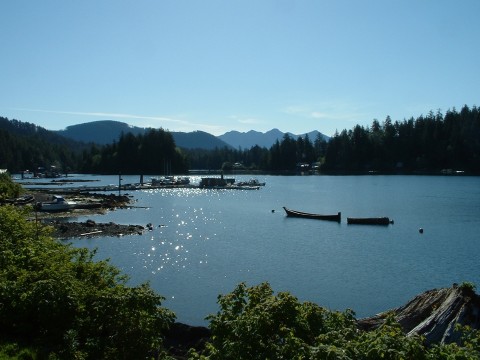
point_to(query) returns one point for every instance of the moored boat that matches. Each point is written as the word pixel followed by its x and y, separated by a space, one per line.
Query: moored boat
pixel 182 180
pixel 293 213
pixel 169 181
pixel 162 180
pixel 57 204
pixel 370 221
pixel 216 182
pixel 251 182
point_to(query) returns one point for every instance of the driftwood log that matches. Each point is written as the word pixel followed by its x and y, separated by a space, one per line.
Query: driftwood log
pixel 434 314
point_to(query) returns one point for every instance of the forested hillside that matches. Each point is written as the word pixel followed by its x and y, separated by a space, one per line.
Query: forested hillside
pixel 284 156
pixel 433 143
pixel 152 153
pixel 427 144
pixel 27 146
pixel 100 132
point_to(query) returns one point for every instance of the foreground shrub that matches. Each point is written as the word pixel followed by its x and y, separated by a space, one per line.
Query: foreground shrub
pixel 254 323
pixel 57 299
pixel 8 188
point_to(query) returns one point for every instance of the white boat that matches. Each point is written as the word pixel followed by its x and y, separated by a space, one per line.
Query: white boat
pixel 170 180
pixel 57 204
pixel 182 180
pixel 162 180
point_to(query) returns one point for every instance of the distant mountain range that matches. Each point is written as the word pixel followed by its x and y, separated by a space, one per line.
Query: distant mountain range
pixel 107 131
pixel 99 132
pixel 246 140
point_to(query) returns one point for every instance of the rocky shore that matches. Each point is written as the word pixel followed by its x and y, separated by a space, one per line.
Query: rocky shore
pixel 86 204
pixel 90 228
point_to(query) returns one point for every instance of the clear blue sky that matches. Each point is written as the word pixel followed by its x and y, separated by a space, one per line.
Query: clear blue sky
pixel 187 65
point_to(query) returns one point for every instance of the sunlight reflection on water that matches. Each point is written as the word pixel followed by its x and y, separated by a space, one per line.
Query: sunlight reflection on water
pixel 204 242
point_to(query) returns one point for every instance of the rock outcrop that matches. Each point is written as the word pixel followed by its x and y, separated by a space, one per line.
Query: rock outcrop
pixel 90 228
pixel 434 314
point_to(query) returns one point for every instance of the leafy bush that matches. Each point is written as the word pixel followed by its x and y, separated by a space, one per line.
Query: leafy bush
pixel 59 300
pixel 254 323
pixel 468 286
pixel 8 188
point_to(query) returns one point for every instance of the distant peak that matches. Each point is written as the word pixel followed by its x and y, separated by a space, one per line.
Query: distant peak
pixel 274 131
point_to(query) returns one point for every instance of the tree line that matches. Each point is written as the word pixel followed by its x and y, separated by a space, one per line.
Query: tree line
pixel 25 146
pixel 426 144
pixel 284 155
pixel 151 153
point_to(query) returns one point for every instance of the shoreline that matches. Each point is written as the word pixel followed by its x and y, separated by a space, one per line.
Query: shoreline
pixel 66 230
pixel 87 204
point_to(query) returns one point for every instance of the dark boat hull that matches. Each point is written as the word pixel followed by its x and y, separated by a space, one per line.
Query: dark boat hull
pixel 300 214
pixel 370 221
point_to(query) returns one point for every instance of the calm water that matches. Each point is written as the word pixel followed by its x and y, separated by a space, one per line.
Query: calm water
pixel 205 242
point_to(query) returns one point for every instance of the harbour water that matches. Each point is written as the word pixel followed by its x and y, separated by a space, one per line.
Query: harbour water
pixel 204 242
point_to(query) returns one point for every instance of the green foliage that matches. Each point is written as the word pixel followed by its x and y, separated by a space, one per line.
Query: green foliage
pixel 27 146
pixel 58 300
pixel 8 188
pixel 13 351
pixel 428 143
pixel 254 323
pixel 281 157
pixel 151 153
pixel 469 349
pixel 387 342
pixel 469 286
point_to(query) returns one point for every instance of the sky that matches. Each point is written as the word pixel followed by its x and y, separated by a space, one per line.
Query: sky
pixel 222 65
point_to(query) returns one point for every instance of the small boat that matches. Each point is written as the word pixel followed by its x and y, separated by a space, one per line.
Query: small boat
pixel 251 182
pixel 370 221
pixel 181 180
pixel 163 180
pixel 300 214
pixel 169 181
pixel 216 182
pixel 57 204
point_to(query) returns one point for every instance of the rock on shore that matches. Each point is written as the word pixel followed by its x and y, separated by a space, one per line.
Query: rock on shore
pixel 90 228
pixel 434 314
